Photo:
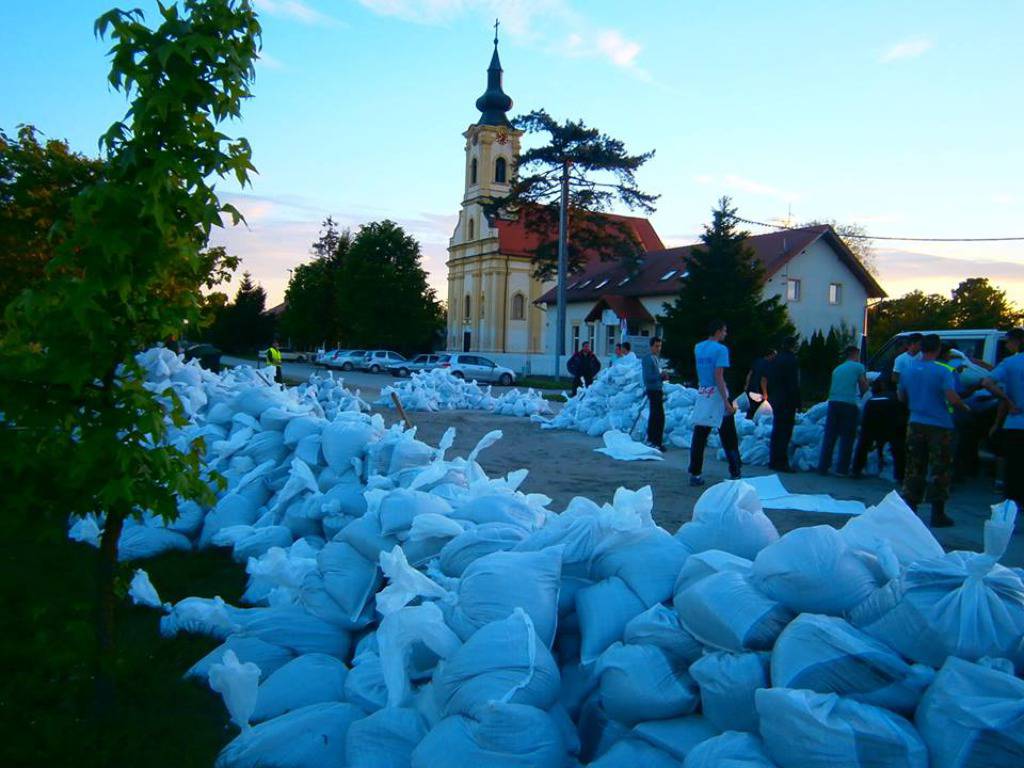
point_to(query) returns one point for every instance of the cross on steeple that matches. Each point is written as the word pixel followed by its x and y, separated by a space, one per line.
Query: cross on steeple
pixel 496 23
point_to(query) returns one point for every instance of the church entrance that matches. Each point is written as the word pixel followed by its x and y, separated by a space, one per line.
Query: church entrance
pixel 466 339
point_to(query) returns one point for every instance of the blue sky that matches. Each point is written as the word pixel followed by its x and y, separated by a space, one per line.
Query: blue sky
pixel 904 117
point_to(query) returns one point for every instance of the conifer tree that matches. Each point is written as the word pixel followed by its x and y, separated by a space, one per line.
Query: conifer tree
pixel 724 280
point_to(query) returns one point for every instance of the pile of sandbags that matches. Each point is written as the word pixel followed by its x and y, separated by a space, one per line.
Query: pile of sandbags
pixel 617 401
pixel 440 390
pixel 405 609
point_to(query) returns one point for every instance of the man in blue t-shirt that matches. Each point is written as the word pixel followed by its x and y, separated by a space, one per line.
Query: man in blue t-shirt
pixel 848 384
pixel 929 390
pixel 1007 381
pixel 712 358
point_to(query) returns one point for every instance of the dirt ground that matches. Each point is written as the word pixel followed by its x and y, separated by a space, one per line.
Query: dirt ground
pixel 563 464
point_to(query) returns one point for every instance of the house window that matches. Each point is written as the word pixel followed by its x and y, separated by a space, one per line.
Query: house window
pixel 602 284
pixel 576 338
pixel 835 293
pixel 500 170
pixel 611 337
pixel 585 283
pixel 792 290
pixel 471 229
pixel 469 311
pixel 472 171
pixel 518 307
pixel 623 281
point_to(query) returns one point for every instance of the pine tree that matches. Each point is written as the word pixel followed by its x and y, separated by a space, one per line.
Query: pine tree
pixel 724 280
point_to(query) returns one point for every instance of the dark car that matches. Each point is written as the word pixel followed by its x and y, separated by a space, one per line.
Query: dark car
pixel 207 355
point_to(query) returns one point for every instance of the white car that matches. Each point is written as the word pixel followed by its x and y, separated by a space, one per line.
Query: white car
pixel 379 360
pixel 346 359
pixel 415 365
pixel 477 368
pixel 324 356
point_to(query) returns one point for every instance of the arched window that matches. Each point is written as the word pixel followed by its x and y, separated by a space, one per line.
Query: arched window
pixel 469 309
pixel 471 230
pixel 500 170
pixel 472 171
pixel 518 307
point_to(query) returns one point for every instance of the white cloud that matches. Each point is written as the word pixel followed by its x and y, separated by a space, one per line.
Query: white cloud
pixel 296 10
pixel 1002 199
pixel 551 23
pixel 904 271
pixel 735 182
pixel 910 48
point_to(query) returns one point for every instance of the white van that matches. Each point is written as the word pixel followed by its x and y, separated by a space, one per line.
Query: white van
pixel 976 345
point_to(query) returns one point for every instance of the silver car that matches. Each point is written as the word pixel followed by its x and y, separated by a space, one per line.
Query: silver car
pixel 417 364
pixel 346 360
pixel 477 368
pixel 378 360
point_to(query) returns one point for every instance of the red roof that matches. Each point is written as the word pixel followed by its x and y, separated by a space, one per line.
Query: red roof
pixel 660 270
pixel 516 239
pixel 624 307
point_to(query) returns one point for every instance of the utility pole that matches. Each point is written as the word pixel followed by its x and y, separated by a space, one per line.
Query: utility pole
pixel 563 262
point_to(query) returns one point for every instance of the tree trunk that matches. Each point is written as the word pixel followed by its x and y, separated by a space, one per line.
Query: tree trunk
pixel 105 608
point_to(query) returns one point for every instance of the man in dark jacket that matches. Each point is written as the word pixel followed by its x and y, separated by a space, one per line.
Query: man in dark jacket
pixel 783 378
pixel 583 366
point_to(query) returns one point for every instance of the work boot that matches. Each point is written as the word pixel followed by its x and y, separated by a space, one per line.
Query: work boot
pixel 939 517
pixel 733 458
pixel 696 481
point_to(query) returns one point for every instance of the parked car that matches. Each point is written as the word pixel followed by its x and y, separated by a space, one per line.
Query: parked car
pixel 288 355
pixel 378 360
pixel 207 355
pixel 418 363
pixel 476 368
pixel 325 356
pixel 346 359
pixel 978 346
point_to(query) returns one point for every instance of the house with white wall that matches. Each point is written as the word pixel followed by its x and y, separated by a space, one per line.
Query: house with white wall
pixel 813 272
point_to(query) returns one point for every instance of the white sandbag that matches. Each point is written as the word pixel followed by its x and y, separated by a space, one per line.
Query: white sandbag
pixel 200 616
pixel 413 629
pixel 398 508
pixel 973 717
pixel 725 611
pixel 365 685
pixel 803 729
pixel 269 658
pixel 678 736
pixel 728 516
pixel 142 591
pixel 598 731
pixel 500 508
pixel 365 536
pixel 635 752
pixel 496 584
pixel 385 739
pixel 238 683
pixel 648 560
pixel 344 498
pixel 503 661
pixel 253 401
pixel 620 446
pixel 258 541
pixel 139 542
pixel 727 684
pixel 497 734
pixel 277 567
pixel 232 509
pixel 405 583
pixel 892 523
pixel 732 749
pixel 473 544
pixel 307 737
pixel 349 578
pixel 812 570
pixel 189 520
pixel 344 440
pixel 313 678
pixel 604 610
pixel 265 446
pixel 961 604
pixel 827 655
pixel 639 682
pixel 302 426
pixel 410 453
pixel 290 626
pixel 659 626
pixel 704 564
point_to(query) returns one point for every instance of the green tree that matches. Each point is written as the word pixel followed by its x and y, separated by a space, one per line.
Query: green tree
pixel 311 314
pixel 600 174
pixel 724 281
pixel 915 311
pixel 976 303
pixel 38 181
pixel 81 433
pixel 818 356
pixel 855 237
pixel 383 298
pixel 242 326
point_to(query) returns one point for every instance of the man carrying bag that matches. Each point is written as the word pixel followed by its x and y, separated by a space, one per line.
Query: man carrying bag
pixel 713 408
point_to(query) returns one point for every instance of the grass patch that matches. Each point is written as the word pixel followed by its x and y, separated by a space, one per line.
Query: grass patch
pixel 553 398
pixel 47 695
pixel 543 382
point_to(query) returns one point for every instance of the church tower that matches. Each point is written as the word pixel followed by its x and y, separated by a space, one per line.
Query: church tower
pixel 489 294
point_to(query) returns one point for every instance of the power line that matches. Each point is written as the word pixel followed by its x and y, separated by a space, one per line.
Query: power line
pixel 888 237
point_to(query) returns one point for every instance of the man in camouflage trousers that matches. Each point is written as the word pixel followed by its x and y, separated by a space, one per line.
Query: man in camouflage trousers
pixel 929 390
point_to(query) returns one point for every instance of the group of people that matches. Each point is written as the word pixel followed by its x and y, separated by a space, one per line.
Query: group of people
pixel 913 408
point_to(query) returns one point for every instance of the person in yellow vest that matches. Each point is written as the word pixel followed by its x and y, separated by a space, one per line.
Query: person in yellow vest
pixel 274 359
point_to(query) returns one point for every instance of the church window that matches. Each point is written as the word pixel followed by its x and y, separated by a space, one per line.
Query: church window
pixel 518 307
pixel 471 230
pixel 500 170
pixel 472 171
pixel 469 310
